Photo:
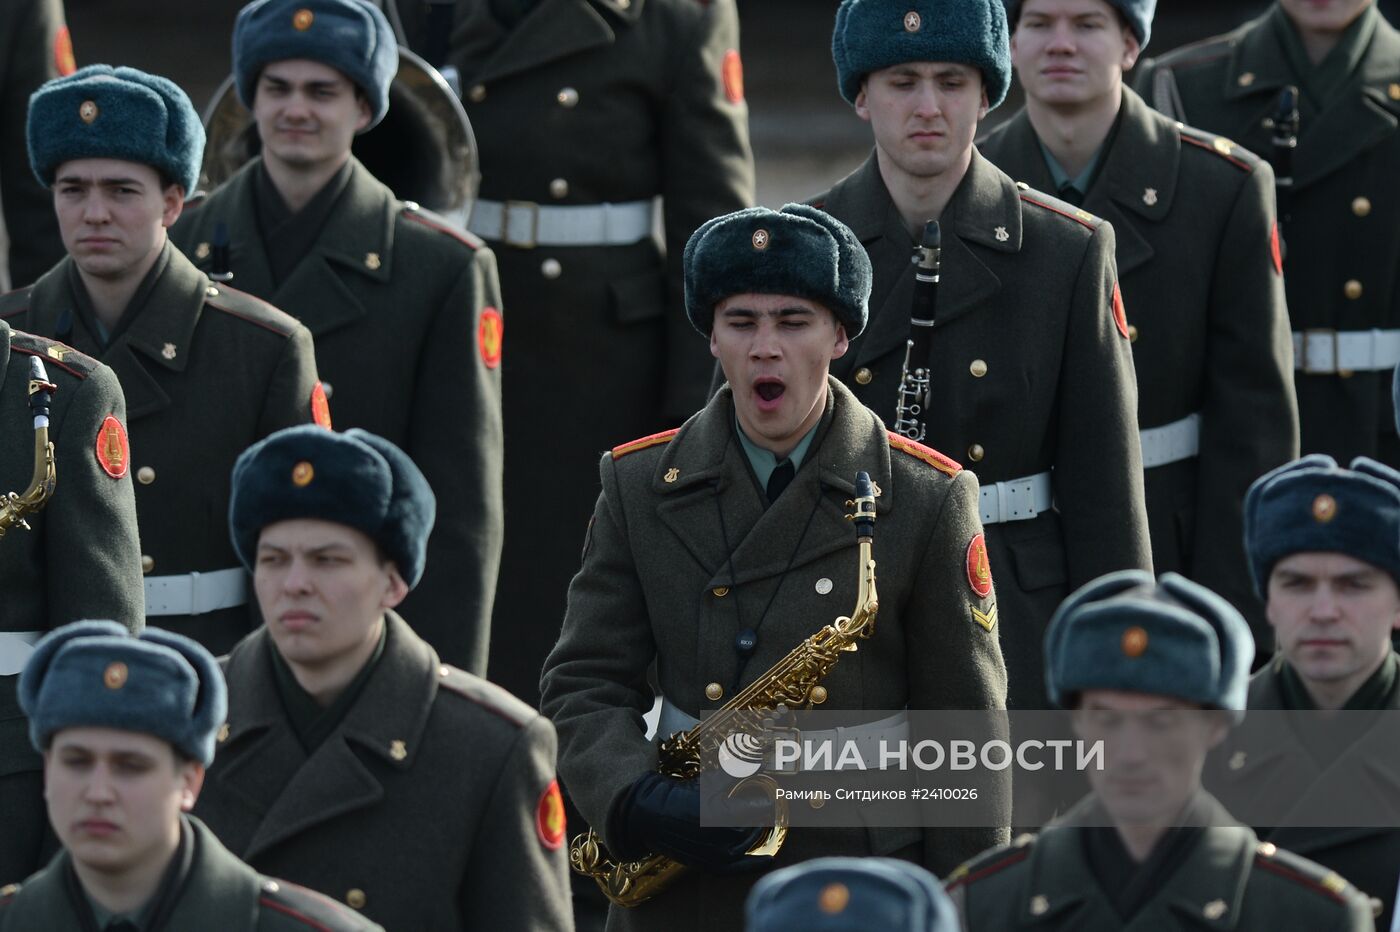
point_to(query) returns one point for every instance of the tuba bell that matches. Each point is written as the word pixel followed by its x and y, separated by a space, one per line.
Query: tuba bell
pixel 424 149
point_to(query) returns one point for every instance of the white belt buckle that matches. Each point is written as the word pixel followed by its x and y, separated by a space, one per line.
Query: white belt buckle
pixel 1321 334
pixel 524 207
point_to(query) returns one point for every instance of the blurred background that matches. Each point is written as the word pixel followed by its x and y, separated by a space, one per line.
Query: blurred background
pixel 804 136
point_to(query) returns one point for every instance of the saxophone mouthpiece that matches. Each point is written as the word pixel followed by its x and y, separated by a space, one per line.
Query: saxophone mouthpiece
pixel 865 505
pixel 40 391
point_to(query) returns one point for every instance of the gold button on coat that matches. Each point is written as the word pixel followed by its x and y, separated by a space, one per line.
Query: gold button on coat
pixel 714 692
pixel 148 563
pixel 567 97
pixel 978 368
pixel 863 376
pixel 1352 289
pixel 145 475
pixel 975 452
pixel 559 188
pixel 355 898
pixel 720 592
pixel 550 268
pixel 477 94
pixel 1361 206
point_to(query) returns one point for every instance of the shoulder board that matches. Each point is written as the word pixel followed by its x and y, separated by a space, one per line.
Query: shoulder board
pixel 1201 52
pixel 411 211
pixel 618 452
pixel 990 862
pixel 1063 208
pixel 1236 155
pixel 313 910
pixel 920 452
pixel 487 695
pixel 244 306
pixel 1302 872
pixel 53 353
pixel 14 303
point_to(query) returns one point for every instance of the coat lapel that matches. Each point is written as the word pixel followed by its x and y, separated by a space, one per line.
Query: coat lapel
pixel 291 792
pixel 234 204
pixel 1138 182
pixel 357 240
pixel 555 29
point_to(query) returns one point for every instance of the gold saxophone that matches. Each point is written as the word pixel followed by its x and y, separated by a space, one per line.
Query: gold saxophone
pixel 792 683
pixel 15 506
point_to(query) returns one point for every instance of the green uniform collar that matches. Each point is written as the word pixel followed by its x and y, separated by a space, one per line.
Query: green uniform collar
pixel 288 237
pixel 763 462
pixel 155 912
pixel 1378 692
pixel 1084 181
pixel 1325 81
pixel 83 301
pixel 311 722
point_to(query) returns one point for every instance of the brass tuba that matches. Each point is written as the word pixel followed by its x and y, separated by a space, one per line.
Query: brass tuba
pixel 792 683
pixel 424 149
pixel 14 507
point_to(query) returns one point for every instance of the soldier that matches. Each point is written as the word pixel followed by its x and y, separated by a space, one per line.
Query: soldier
pixel 1324 548
pixel 850 895
pixel 80 557
pixel 126 726
pixel 1343 255
pixel 354 761
pixel 1032 374
pixel 1151 670
pixel 1208 324
pixel 37 48
pixel 206 370
pixel 405 308
pixel 586 111
pixel 712 554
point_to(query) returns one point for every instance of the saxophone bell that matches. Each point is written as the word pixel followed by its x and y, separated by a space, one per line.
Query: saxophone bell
pixel 14 507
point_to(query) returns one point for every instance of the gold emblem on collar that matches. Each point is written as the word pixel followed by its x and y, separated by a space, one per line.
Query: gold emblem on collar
pixel 201 251
pixel 168 351
pixel 372 261
pixel 1214 909
pixel 672 474
pixel 1039 905
pixel 397 749
pixel 1246 79
pixel 1001 234
pixel 1237 760
pixel 1149 197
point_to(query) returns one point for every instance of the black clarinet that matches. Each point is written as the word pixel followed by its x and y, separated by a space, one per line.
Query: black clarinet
pixel 912 402
pixel 1285 141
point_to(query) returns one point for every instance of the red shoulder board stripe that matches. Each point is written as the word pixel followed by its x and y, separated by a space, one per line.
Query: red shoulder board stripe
pixel 927 454
pixel 1015 857
pixel 1271 865
pixel 1077 218
pixel 1275 249
pixel 1223 153
pixel 51 360
pixel 733 73
pixel 618 452
pixel 451 231
pixel 300 917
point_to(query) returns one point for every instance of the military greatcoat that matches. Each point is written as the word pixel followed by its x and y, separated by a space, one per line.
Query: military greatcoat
pixel 1342 266
pixel 1368 856
pixel 1193 219
pixel 406 315
pixel 584 103
pixel 681 555
pixel 1229 880
pixel 206 370
pixel 219 892
pixel 34 47
pixel 80 558
pixel 432 805
pixel 1032 372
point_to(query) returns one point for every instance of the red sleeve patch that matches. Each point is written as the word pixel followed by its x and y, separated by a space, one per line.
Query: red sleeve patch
pixel 320 407
pixel 490 332
pixel 733 72
pixel 549 817
pixel 1120 314
pixel 1276 249
pixel 979 569
pixel 63 59
pixel 113 449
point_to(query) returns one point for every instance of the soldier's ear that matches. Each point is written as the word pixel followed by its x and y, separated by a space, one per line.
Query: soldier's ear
pixel 1131 48
pixel 173 204
pixel 192 781
pixel 862 108
pixel 362 105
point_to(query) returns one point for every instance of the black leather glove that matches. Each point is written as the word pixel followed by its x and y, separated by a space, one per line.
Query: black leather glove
pixel 661 815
